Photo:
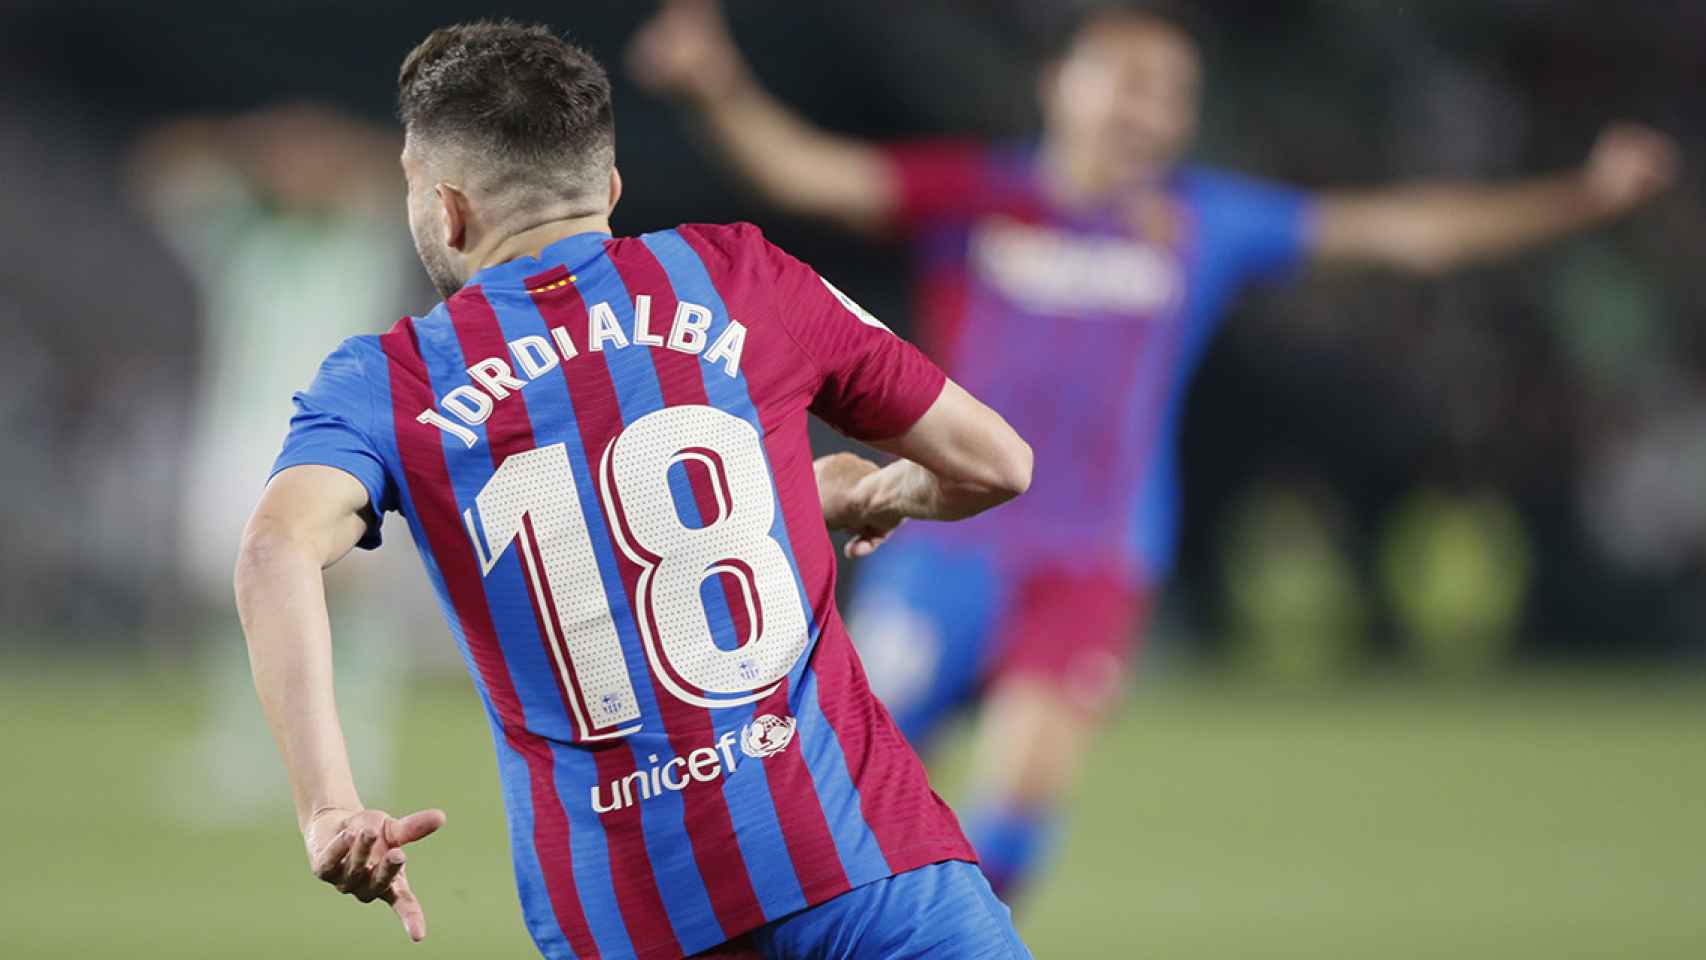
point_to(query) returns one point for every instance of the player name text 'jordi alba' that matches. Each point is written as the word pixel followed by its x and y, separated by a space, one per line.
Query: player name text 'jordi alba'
pixel 495 378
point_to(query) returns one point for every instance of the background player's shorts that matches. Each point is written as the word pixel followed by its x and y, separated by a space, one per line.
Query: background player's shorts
pixel 937 624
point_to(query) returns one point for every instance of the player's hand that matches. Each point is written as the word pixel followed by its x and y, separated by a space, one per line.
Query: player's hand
pixel 361 853
pixel 1629 166
pixel 840 491
pixel 838 476
pixel 685 51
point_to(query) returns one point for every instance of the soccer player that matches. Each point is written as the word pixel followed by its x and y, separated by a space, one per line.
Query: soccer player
pixel 1074 283
pixel 600 448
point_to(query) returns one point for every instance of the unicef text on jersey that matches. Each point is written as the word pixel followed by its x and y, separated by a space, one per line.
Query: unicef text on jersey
pixel 766 736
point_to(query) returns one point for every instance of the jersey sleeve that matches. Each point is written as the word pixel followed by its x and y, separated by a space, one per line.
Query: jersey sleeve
pixel 939 181
pixel 1263 229
pixel 332 427
pixel 871 384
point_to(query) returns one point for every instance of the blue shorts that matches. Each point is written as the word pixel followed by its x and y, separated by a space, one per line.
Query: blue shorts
pixel 937 623
pixel 944 911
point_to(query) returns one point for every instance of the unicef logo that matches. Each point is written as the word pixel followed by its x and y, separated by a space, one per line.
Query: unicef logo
pixel 766 736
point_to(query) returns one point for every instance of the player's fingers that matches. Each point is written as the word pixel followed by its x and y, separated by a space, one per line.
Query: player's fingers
pixel 1664 159
pixel 1649 145
pixel 407 908
pixel 653 48
pixel 385 874
pixel 879 533
pixel 329 861
pixel 865 544
pixel 413 827
pixel 682 20
pixel 355 872
pixel 1650 176
pixel 1654 150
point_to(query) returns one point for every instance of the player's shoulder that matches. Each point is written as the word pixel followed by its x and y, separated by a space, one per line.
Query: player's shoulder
pixel 408 341
pixel 727 241
pixel 355 356
pixel 738 256
pixel 344 382
pixel 364 360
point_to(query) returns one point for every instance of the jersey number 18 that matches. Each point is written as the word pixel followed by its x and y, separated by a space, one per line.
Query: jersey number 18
pixel 533 501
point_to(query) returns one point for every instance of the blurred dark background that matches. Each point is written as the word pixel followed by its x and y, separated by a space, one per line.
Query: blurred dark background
pixel 1554 408
pixel 1462 521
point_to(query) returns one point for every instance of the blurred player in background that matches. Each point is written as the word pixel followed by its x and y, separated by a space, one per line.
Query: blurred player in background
pixel 1074 283
pixel 286 218
pixel 600 445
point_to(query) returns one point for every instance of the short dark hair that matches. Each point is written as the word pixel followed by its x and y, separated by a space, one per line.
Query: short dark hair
pixel 521 99
pixel 1068 29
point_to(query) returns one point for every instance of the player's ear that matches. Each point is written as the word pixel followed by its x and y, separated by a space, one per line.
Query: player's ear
pixel 453 205
pixel 615 189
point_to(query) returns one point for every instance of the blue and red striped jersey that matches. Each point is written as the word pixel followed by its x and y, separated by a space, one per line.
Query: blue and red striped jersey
pixel 602 455
pixel 1082 326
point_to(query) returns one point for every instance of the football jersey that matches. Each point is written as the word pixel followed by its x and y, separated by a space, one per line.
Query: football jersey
pixel 602 455
pixel 1082 328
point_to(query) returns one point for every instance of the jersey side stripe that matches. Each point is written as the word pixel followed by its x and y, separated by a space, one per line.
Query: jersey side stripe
pixel 761 810
pixel 686 890
pixel 507 432
pixel 516 778
pixel 711 829
pixel 426 478
pixel 805 825
pixel 867 783
pixel 833 787
pixel 873 748
pixel 597 420
pixel 577 770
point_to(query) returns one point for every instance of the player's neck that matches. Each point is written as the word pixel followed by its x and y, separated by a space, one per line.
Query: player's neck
pixel 1078 179
pixel 531 241
pixel 1074 178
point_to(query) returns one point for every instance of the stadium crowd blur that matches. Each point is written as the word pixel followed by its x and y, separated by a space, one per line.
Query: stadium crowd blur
pixel 1505 464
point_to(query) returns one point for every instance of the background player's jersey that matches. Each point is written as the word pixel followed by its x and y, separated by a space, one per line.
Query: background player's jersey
pixel 602 455
pixel 1082 328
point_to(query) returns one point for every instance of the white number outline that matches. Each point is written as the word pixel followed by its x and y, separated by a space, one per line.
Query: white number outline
pixel 643 605
pixel 526 542
pixel 739 569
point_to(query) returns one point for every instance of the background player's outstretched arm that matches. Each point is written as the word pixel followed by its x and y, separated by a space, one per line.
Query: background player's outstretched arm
pixel 961 458
pixel 685 51
pixel 1432 228
pixel 308 518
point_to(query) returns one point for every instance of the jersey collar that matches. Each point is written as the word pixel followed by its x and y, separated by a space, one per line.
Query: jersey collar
pixel 571 251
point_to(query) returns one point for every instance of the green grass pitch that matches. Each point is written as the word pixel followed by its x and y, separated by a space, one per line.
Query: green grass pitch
pixel 1545 818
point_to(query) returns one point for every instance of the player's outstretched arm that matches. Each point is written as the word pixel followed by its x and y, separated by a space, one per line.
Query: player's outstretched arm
pixel 308 518
pixel 685 51
pixel 1432 228
pixel 960 459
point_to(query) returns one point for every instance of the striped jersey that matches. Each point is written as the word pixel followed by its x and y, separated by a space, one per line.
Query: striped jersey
pixel 1082 327
pixel 602 455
